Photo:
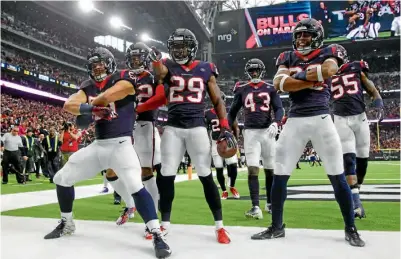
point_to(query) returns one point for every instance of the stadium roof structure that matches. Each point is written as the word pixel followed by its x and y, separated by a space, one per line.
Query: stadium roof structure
pixel 158 19
pixel 241 4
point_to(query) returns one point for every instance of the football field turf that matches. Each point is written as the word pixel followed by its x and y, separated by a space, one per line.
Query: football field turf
pixel 382 34
pixel 190 207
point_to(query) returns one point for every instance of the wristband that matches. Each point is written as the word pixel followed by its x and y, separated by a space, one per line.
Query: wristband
pixel 378 103
pixel 282 82
pixel 319 73
pixel 301 76
pixel 224 123
pixel 85 108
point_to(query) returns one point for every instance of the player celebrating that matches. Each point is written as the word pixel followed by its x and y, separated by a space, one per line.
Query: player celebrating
pixel 256 97
pixel 213 123
pixel 187 81
pixel 102 96
pixel 309 119
pixel 146 135
pixel 351 122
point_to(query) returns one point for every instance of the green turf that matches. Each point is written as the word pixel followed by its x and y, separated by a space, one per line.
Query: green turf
pixel 190 207
pixel 381 35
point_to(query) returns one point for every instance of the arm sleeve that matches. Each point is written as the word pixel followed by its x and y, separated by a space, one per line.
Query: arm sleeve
pixel 277 106
pixel 159 99
pixel 235 107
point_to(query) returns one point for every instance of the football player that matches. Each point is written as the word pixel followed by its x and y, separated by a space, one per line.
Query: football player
pixel 258 98
pixel 146 135
pixel 187 82
pixel 103 95
pixel 396 23
pixel 213 124
pixel 311 66
pixel 351 122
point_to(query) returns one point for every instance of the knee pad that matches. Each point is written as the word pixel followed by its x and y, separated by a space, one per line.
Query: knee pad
pixel 253 171
pixel 349 163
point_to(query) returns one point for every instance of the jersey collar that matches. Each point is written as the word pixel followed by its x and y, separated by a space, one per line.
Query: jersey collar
pixel 190 66
pixel 309 56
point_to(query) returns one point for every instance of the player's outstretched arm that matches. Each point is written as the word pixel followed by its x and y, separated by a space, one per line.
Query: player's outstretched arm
pixel 159 99
pixel 319 73
pixel 284 82
pixel 119 91
pixel 370 87
pixel 73 103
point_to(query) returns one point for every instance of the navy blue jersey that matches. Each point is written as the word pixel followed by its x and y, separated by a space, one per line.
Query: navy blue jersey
pixel 213 123
pixel 145 88
pixel 187 87
pixel 313 101
pixel 123 124
pixel 347 89
pixel 256 99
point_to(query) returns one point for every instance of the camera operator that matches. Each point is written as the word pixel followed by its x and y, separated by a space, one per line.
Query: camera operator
pixel 40 157
pixel 12 154
pixel 70 138
pixel 52 146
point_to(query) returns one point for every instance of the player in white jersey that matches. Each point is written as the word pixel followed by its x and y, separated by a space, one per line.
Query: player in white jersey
pixel 304 73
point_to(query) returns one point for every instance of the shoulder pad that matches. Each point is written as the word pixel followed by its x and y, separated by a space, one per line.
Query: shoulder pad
pixel 238 85
pixel 337 51
pixel 364 66
pixel 283 59
pixel 214 70
pixel 86 83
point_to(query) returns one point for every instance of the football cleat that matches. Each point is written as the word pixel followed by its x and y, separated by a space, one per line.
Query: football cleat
pixel 162 250
pixel 164 230
pixel 222 236
pixel 255 212
pixel 268 208
pixel 360 212
pixel 270 233
pixel 126 214
pixel 224 195
pixel 148 235
pixel 66 227
pixel 234 192
pixel 105 190
pixel 353 238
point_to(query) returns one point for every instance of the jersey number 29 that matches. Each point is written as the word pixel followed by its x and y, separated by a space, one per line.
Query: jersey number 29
pixel 194 85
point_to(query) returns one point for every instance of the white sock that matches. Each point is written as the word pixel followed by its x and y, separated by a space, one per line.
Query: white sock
pixel 120 188
pixel 105 182
pixel 66 215
pixel 151 187
pixel 219 224
pixel 166 224
pixel 153 224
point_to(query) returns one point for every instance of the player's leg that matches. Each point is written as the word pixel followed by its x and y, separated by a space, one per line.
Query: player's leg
pixel 253 152
pixel 395 29
pixel 218 164
pixel 268 154
pixel 172 151
pixel 232 172
pixel 289 147
pixel 105 182
pixel 347 137
pixel 144 145
pixel 362 139
pixel 82 165
pixel 327 143
pixel 198 147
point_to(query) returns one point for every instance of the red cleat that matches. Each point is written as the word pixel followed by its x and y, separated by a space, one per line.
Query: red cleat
pixel 224 195
pixel 223 236
pixel 234 192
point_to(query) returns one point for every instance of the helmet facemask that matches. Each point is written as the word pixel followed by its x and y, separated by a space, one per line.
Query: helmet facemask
pixel 255 72
pixel 182 51
pixel 98 69
pixel 137 61
pixel 302 31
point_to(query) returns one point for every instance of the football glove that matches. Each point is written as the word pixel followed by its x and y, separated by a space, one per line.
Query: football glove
pixel 105 113
pixel 379 109
pixel 225 134
pixel 272 130
pixel 154 54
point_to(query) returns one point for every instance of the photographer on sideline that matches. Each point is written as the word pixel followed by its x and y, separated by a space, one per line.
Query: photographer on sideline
pixel 70 141
pixel 52 146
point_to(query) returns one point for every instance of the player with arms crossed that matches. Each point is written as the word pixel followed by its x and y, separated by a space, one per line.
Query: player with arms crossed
pixel 257 98
pixel 187 81
pixel 309 119
pixel 351 122
pixel 213 123
pixel 146 135
pixel 105 94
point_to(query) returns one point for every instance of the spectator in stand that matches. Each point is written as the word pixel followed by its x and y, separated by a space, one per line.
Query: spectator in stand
pixel 70 137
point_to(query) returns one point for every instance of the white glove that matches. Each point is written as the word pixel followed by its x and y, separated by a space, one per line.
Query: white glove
pixel 272 130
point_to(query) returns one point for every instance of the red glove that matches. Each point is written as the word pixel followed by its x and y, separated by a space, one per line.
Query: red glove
pixel 105 113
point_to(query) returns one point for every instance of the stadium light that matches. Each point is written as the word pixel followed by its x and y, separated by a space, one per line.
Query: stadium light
pixel 116 22
pixel 145 37
pixel 87 6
